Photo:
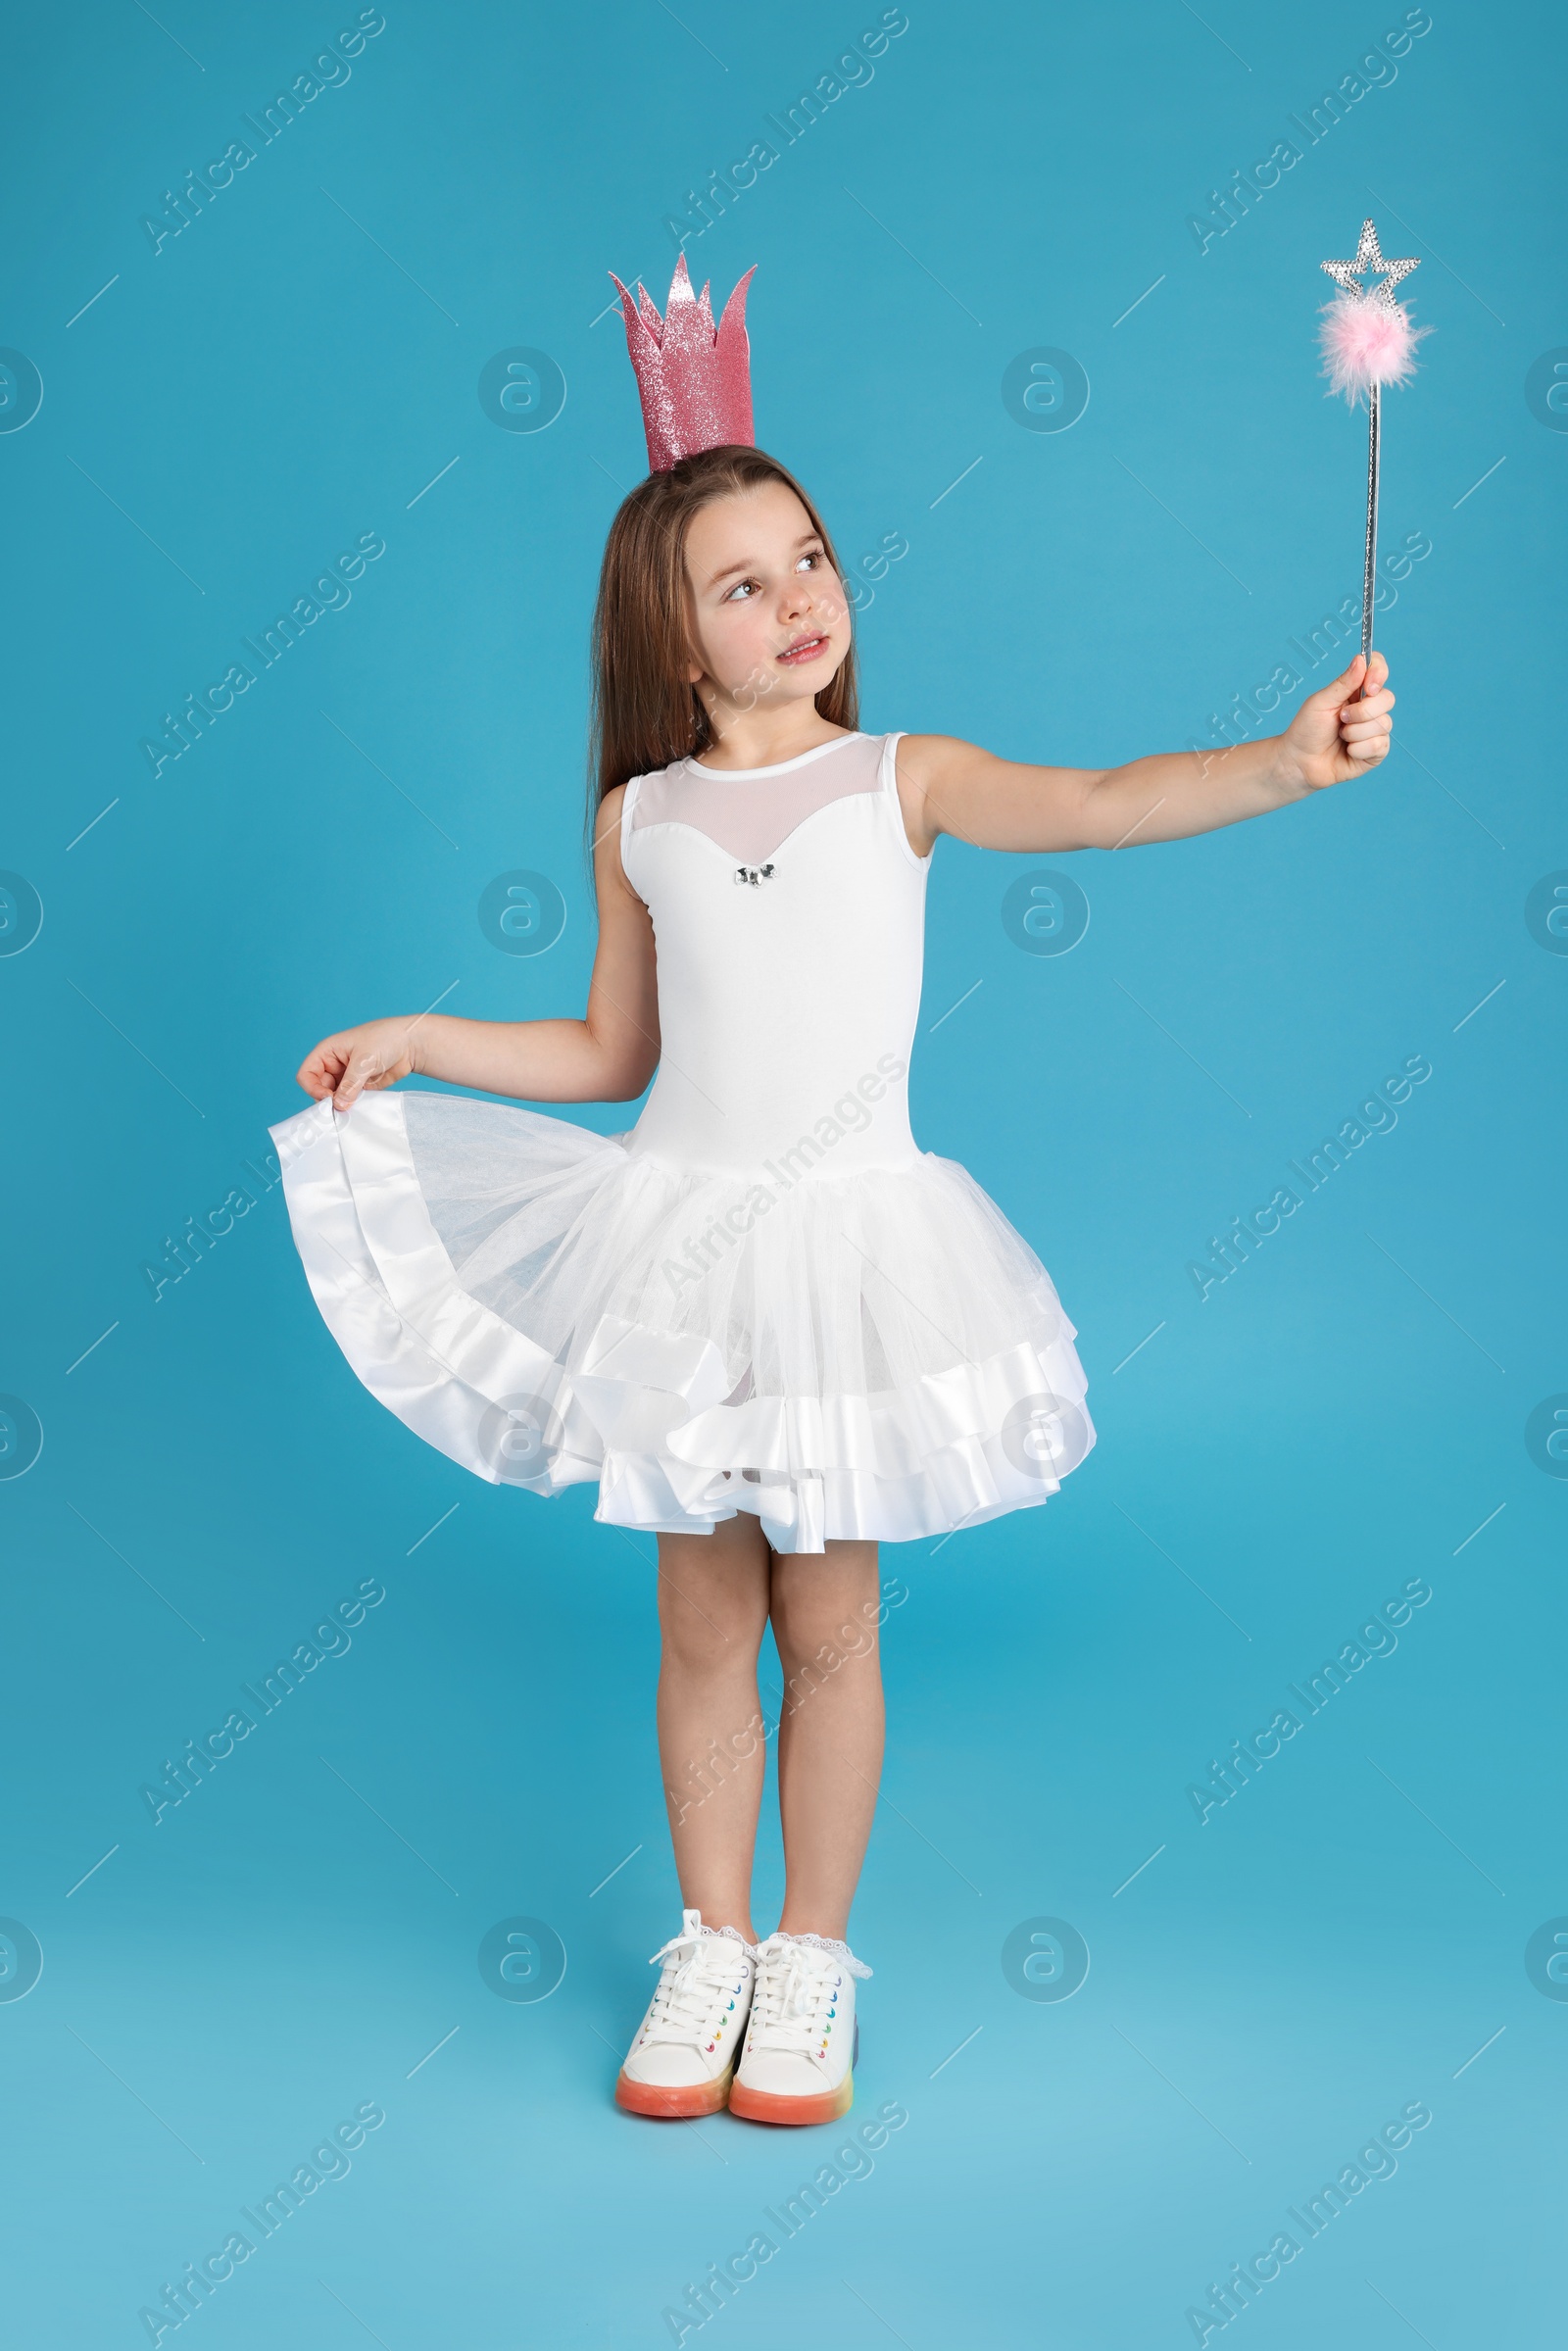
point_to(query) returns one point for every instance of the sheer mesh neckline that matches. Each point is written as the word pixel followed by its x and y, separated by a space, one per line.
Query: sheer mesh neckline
pixel 779 766
pixel 751 823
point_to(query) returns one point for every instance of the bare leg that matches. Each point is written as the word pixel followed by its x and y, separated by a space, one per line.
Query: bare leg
pixel 712 1611
pixel 824 1609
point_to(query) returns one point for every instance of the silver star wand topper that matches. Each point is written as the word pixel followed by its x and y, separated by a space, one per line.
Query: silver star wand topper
pixel 1368 341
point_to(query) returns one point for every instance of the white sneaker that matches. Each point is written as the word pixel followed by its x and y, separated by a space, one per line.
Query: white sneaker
pixel 798 2062
pixel 683 2058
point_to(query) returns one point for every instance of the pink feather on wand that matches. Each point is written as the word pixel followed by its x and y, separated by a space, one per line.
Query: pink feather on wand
pixel 1367 341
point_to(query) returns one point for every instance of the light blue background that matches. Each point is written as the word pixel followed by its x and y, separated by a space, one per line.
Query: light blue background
pixel 1339 1417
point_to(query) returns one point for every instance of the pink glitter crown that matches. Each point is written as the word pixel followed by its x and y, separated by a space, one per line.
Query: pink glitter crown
pixel 695 379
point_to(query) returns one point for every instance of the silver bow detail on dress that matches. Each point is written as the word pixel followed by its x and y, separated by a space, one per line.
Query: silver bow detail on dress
pixel 753 874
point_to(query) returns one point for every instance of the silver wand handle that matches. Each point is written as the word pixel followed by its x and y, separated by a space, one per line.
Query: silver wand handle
pixel 1369 575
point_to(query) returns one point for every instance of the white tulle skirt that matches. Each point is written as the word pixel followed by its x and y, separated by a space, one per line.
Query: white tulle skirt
pixel 876 1354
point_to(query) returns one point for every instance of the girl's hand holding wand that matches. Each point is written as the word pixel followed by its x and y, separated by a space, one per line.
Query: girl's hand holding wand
pixel 1335 735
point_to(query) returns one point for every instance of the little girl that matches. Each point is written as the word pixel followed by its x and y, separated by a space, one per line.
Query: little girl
pixel 771 1328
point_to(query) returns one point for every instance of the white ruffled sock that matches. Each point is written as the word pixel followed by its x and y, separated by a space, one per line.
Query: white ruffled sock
pixel 824 1942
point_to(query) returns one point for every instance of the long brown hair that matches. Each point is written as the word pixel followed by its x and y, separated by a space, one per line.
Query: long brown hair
pixel 646 712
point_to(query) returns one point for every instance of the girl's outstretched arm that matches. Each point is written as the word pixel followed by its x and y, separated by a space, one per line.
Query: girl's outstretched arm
pixel 606 1058
pixel 951 787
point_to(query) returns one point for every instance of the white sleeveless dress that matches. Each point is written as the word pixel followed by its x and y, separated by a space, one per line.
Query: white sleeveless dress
pixel 763 1297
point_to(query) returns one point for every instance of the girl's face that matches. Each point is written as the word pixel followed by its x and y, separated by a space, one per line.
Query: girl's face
pixel 771 621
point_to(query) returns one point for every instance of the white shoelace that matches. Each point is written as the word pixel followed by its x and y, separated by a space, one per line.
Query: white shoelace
pixel 795 1991
pixel 683 2004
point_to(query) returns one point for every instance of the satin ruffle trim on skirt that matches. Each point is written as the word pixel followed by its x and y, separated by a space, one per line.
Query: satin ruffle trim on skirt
pixel 877 1355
